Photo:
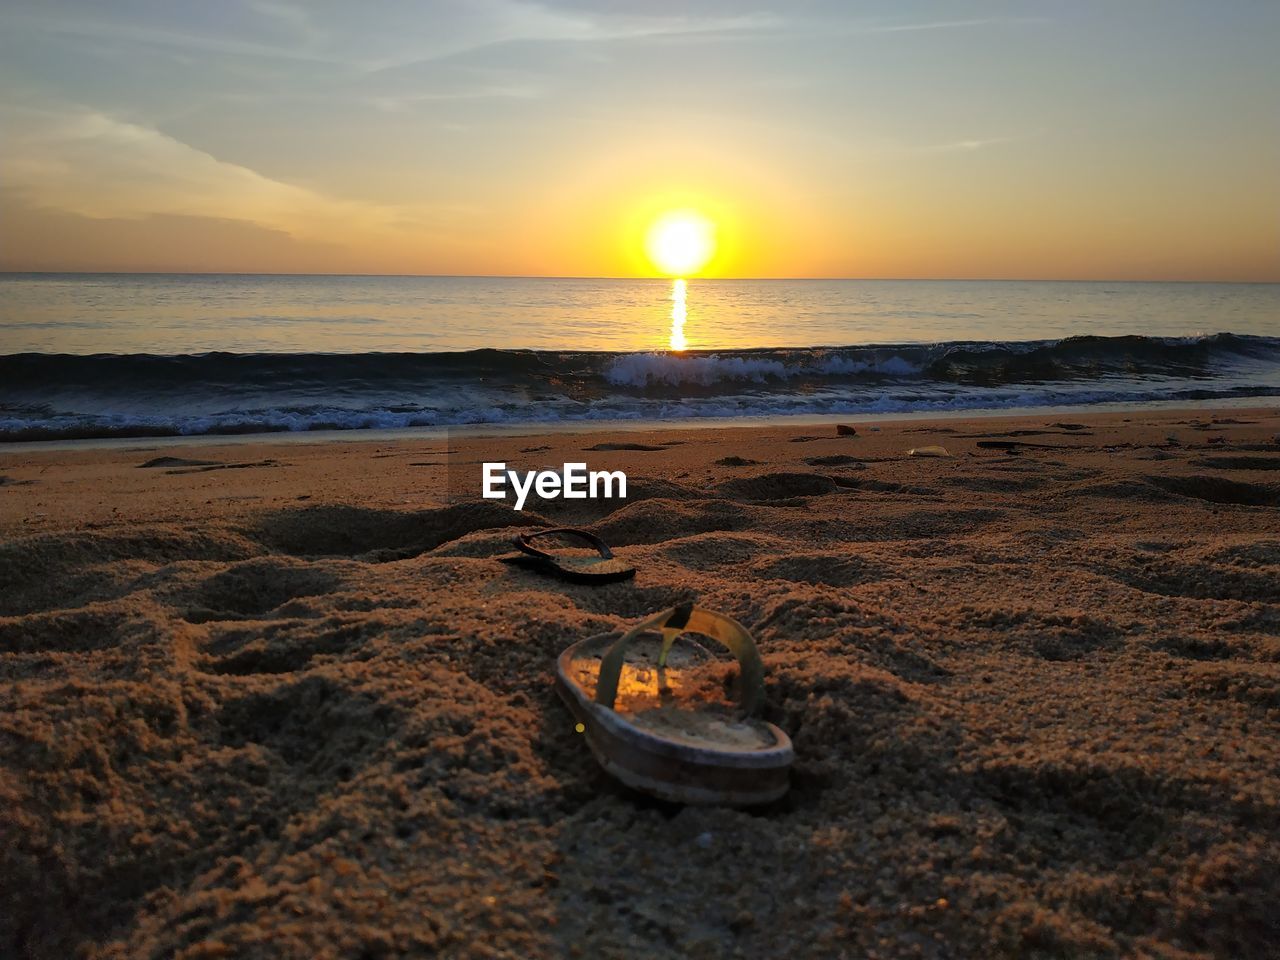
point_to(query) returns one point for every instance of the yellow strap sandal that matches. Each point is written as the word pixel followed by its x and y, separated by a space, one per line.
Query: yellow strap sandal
pixel 659 718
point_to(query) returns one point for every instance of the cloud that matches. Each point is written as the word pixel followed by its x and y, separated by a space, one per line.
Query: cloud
pixel 498 22
pixel 400 103
pixel 87 162
pixel 135 32
pixel 55 240
pixel 367 38
pixel 965 146
pixel 911 27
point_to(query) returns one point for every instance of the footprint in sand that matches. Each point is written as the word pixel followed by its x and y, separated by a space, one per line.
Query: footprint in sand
pixel 1240 463
pixel 836 460
pixel 778 486
pixel 176 462
pixel 180 465
pixel 602 447
pixel 1219 490
pixel 378 535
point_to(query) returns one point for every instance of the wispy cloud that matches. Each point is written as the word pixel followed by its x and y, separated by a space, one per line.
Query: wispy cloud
pixel 911 27
pixel 513 21
pixel 965 146
pixel 401 103
pixel 292 15
pixel 366 39
pixel 87 162
pixel 136 34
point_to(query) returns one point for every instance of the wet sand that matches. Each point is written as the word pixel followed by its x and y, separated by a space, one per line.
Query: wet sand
pixel 284 702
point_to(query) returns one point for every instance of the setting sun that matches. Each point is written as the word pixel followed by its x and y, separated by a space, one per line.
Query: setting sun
pixel 680 243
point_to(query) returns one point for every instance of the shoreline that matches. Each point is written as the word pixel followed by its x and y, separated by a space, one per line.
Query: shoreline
pixel 1252 405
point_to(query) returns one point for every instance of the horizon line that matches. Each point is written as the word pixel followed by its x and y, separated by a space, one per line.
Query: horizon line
pixel 663 279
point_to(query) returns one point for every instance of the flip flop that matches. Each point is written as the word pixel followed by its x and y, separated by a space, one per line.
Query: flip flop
pixel 602 569
pixel 659 719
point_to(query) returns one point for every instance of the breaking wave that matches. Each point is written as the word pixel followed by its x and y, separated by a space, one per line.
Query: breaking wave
pixel 60 396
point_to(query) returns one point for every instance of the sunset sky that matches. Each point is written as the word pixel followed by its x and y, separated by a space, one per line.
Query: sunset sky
pixel 1120 139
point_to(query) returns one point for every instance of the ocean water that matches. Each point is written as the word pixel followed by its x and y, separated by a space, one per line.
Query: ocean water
pixel 152 355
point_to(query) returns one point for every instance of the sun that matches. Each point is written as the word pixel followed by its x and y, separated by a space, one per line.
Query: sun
pixel 680 243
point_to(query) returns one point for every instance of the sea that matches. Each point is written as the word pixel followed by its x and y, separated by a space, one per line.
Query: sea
pixel 90 356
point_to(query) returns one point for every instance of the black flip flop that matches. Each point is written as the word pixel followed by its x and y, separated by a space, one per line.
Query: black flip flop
pixel 602 569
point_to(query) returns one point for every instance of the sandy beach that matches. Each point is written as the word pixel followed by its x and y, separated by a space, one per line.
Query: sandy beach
pixel 279 699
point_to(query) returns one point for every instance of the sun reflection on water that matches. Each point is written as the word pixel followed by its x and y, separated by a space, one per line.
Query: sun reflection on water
pixel 679 312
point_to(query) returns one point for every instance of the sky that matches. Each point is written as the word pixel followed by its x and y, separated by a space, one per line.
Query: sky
pixel 1097 139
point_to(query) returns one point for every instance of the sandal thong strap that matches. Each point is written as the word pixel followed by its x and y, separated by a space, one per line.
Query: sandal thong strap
pixel 672 623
